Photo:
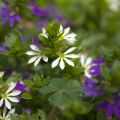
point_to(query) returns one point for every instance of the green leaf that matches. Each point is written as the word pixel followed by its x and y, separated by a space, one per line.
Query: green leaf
pixel 26 96
pixel 53 86
pixel 39 81
pixel 41 114
pixel 29 83
pixel 59 99
pixel 62 92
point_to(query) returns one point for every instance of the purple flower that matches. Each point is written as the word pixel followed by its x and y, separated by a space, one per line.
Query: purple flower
pixel 28 110
pixel 36 42
pixel 111 107
pixel 6 1
pixel 38 11
pixel 92 88
pixel 95 69
pixel 9 16
pixel 3 47
pixel 42 23
pixel 21 87
pixel 59 18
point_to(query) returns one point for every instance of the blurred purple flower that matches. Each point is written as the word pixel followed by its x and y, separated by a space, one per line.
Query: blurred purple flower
pixel 92 88
pixel 95 69
pixel 42 23
pixel 21 87
pixel 37 42
pixel 3 47
pixel 23 39
pixel 28 110
pixel 9 16
pixel 59 18
pixel 6 1
pixel 38 11
pixel 112 107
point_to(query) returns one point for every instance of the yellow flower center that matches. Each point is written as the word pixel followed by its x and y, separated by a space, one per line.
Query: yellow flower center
pixel 61 37
pixel 61 55
pixel 4 96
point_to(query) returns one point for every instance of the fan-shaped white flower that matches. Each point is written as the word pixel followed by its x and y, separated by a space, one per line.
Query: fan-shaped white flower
pixel 1 74
pixel 86 62
pixel 64 57
pixel 36 55
pixel 44 33
pixel 10 96
pixel 5 115
pixel 70 37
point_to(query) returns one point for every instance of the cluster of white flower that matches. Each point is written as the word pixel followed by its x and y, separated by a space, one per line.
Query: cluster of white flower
pixel 37 54
pixel 69 37
pixel 10 95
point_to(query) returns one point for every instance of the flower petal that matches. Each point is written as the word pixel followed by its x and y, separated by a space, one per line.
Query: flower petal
pixel 82 59
pixel 9 113
pixel 62 64
pixel 61 29
pixel 44 34
pixel 37 61
pixel 4 112
pixel 43 30
pixel 87 74
pixel 34 47
pixel 70 50
pixel 88 61
pixel 1 102
pixel 31 53
pixel 72 56
pixel 14 93
pixel 69 62
pixel 55 62
pixel 31 60
pixel 45 58
pixel 109 111
pixel 66 31
pixel 1 74
pixel 13 99
pixel 12 86
pixel 71 35
pixel 7 104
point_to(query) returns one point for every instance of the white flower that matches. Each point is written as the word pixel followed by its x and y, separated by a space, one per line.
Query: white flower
pixel 5 115
pixel 10 96
pixel 44 33
pixel 86 62
pixel 1 74
pixel 65 57
pixel 36 55
pixel 114 5
pixel 69 37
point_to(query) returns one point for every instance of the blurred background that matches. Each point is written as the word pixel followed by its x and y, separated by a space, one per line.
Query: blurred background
pixel 96 23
